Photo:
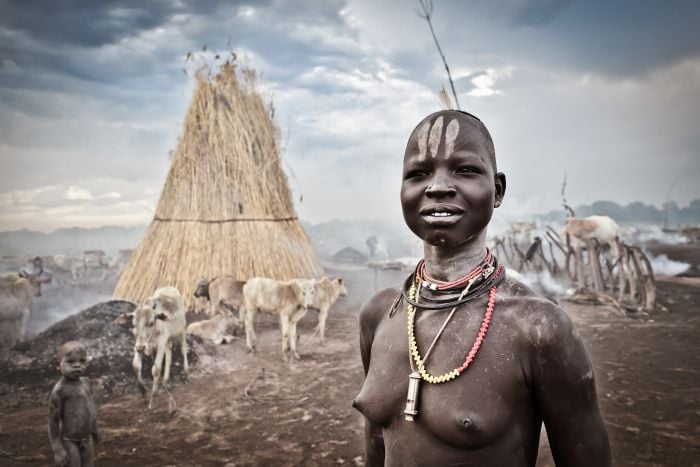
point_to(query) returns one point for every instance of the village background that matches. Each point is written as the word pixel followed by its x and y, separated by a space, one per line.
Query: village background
pixel 592 107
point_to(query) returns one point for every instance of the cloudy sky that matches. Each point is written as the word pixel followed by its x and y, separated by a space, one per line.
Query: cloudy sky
pixel 93 95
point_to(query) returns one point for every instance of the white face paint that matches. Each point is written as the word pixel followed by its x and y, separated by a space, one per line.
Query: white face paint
pixel 450 136
pixel 435 136
pixel 423 140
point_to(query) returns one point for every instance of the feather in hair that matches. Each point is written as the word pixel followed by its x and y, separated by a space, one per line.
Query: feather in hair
pixel 445 100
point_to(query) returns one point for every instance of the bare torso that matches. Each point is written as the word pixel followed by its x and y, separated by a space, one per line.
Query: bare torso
pixel 78 410
pixel 487 415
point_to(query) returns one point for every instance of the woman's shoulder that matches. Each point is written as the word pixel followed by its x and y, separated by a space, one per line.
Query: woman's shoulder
pixel 541 319
pixel 378 306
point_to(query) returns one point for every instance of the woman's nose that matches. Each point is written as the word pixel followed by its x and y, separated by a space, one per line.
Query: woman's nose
pixel 440 188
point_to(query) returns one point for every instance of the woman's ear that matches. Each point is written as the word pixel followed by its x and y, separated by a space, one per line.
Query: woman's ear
pixel 500 184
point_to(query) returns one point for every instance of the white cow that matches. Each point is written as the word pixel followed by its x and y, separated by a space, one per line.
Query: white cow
pixel 290 300
pixel 601 228
pixel 16 293
pixel 213 329
pixel 63 265
pixel 326 293
pixel 522 230
pixel 95 262
pixel 158 322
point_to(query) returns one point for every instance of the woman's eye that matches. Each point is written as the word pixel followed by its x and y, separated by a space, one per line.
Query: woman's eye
pixel 415 174
pixel 467 170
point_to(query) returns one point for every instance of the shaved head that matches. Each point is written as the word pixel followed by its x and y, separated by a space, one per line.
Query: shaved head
pixel 441 129
pixel 71 346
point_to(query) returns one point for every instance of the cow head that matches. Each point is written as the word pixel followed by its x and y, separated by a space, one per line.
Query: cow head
pixel 36 278
pixel 145 329
pixel 306 292
pixel 340 286
pixel 202 289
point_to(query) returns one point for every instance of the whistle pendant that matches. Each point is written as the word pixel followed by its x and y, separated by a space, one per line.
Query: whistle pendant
pixel 412 398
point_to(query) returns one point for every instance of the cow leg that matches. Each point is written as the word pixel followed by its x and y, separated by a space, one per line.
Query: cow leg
pixel 250 337
pixel 155 371
pixel 241 314
pixel 185 364
pixel 168 362
pixel 22 324
pixel 296 317
pixel 284 325
pixel 322 315
pixel 136 364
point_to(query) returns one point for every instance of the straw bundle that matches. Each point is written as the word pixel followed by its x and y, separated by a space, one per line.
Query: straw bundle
pixel 225 207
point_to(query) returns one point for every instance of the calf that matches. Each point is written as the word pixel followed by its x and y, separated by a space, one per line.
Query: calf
pixel 225 295
pixel 289 299
pixel 326 293
pixel 213 329
pixel 157 323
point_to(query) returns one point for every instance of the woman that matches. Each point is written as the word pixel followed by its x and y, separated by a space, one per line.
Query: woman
pixel 464 364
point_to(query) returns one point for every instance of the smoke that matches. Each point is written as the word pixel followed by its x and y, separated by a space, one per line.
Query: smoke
pixel 541 282
pixel 663 266
pixel 60 300
pixel 647 233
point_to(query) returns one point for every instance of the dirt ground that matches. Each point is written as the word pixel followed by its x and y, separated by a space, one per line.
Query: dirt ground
pixel 242 409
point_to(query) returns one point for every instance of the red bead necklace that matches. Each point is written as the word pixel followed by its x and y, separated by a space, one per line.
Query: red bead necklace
pixel 484 268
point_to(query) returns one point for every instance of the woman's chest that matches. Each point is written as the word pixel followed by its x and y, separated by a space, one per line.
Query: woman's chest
pixel 470 410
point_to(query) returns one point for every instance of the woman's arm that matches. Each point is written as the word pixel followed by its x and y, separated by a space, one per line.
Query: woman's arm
pixel 566 394
pixel 370 316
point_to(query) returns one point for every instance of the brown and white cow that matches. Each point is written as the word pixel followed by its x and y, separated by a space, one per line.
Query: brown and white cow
pixel 158 322
pixel 289 300
pixel 225 295
pixel 326 293
pixel 600 228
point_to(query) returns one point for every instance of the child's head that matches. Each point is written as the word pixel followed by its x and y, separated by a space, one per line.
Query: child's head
pixel 73 359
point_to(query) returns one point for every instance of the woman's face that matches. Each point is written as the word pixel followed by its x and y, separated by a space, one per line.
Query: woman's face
pixel 449 186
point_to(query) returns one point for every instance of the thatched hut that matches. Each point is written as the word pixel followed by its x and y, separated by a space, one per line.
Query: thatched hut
pixel 226 207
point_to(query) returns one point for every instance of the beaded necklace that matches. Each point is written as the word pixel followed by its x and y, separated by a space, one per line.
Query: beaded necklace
pixel 485 270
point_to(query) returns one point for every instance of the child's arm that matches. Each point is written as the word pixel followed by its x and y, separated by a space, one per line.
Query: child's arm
pixel 55 409
pixel 94 432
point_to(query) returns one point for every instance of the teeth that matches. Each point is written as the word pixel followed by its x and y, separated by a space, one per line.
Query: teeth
pixel 441 214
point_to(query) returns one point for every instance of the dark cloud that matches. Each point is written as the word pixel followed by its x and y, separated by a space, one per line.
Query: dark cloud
pixel 621 38
pixel 536 12
pixel 93 23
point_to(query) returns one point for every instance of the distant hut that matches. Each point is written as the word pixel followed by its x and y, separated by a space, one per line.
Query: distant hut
pixel 349 255
pixel 225 207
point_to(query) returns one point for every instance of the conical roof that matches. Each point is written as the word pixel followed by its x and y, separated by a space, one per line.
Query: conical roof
pixel 225 207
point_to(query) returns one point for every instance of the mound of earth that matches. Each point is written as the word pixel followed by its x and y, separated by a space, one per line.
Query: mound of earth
pixel 30 368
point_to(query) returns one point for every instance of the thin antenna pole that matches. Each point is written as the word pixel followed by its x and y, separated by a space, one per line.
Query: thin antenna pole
pixel 427 7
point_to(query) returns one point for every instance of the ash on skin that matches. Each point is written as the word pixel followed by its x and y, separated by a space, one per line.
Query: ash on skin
pixel 72 414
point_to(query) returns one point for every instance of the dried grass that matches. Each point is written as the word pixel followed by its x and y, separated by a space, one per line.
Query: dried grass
pixel 225 207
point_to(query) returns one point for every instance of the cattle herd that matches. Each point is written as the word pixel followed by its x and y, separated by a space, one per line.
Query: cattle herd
pixel 160 320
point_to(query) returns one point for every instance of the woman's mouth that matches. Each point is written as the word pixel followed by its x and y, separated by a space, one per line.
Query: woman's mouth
pixel 441 214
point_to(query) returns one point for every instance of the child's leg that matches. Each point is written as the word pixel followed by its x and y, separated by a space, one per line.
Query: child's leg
pixel 73 452
pixel 87 453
